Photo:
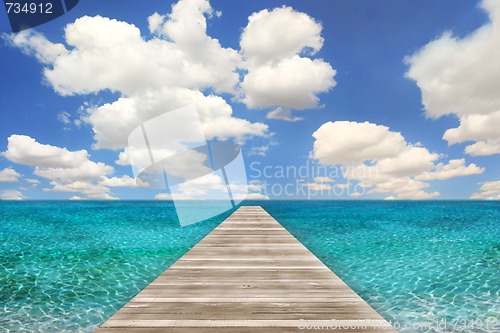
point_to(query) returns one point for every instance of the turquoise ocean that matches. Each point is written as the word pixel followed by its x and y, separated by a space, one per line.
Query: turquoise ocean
pixel 431 266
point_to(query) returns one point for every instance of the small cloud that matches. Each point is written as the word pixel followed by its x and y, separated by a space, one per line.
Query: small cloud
pixel 261 150
pixel 75 198
pixel 323 180
pixel 283 114
pixel 64 117
pixel 123 158
pixel 9 175
pixel 33 182
pixel 255 196
pixel 163 196
pixel 318 187
pixel 319 184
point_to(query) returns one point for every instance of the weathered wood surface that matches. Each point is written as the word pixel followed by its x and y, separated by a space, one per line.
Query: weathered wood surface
pixel 248 275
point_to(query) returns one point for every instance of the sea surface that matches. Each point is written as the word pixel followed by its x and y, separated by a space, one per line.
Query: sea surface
pixel 431 266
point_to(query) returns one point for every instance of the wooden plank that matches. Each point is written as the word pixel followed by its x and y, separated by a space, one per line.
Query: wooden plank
pixel 248 275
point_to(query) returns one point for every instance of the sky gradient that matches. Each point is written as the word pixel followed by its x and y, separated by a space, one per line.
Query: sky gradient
pixel 354 99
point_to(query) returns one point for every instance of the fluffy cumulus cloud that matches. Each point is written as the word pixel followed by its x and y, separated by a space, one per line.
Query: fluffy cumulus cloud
pixel 459 76
pixel 480 128
pixel 280 33
pixel 25 150
pixel 293 83
pixel 9 175
pixel 488 191
pixel 344 142
pixel 277 46
pixel 178 65
pixel 68 171
pixel 112 122
pixel 382 161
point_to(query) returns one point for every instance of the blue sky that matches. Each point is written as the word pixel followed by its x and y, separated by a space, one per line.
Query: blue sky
pixel 378 117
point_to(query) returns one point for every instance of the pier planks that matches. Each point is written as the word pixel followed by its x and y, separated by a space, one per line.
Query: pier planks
pixel 248 275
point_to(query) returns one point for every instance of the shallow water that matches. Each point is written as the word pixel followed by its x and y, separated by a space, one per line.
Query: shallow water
pixel 68 266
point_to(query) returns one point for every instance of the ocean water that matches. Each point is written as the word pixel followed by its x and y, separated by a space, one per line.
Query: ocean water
pixel 429 266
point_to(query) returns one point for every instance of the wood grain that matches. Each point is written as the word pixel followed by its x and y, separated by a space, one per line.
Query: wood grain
pixel 248 275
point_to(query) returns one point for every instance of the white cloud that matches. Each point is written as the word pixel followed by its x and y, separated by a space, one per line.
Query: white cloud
pixel 278 76
pixel 186 26
pixel 256 186
pixel 64 117
pixel 280 33
pixel 207 187
pixel 88 170
pixel 33 181
pixel 251 196
pixel 374 180
pixel 69 171
pixel 488 191
pixel 292 83
pixel 35 44
pixel 187 165
pixel 323 179
pixel 25 150
pixel 211 187
pixel 9 175
pixel 112 122
pixel 483 148
pixel 123 158
pixel 454 168
pixel 344 142
pixel 475 127
pixel 102 48
pixel 198 188
pixel 259 151
pixel 320 184
pixel 124 181
pixel 458 76
pixel 75 197
pixel 409 162
pixel 283 114
pixel 480 128
pixel 318 187
pixel 153 76
pixel 163 196
pixel 91 190
pixel 262 150
pixel 381 161
pixel 11 195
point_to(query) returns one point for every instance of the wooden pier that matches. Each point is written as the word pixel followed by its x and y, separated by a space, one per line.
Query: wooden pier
pixel 248 275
